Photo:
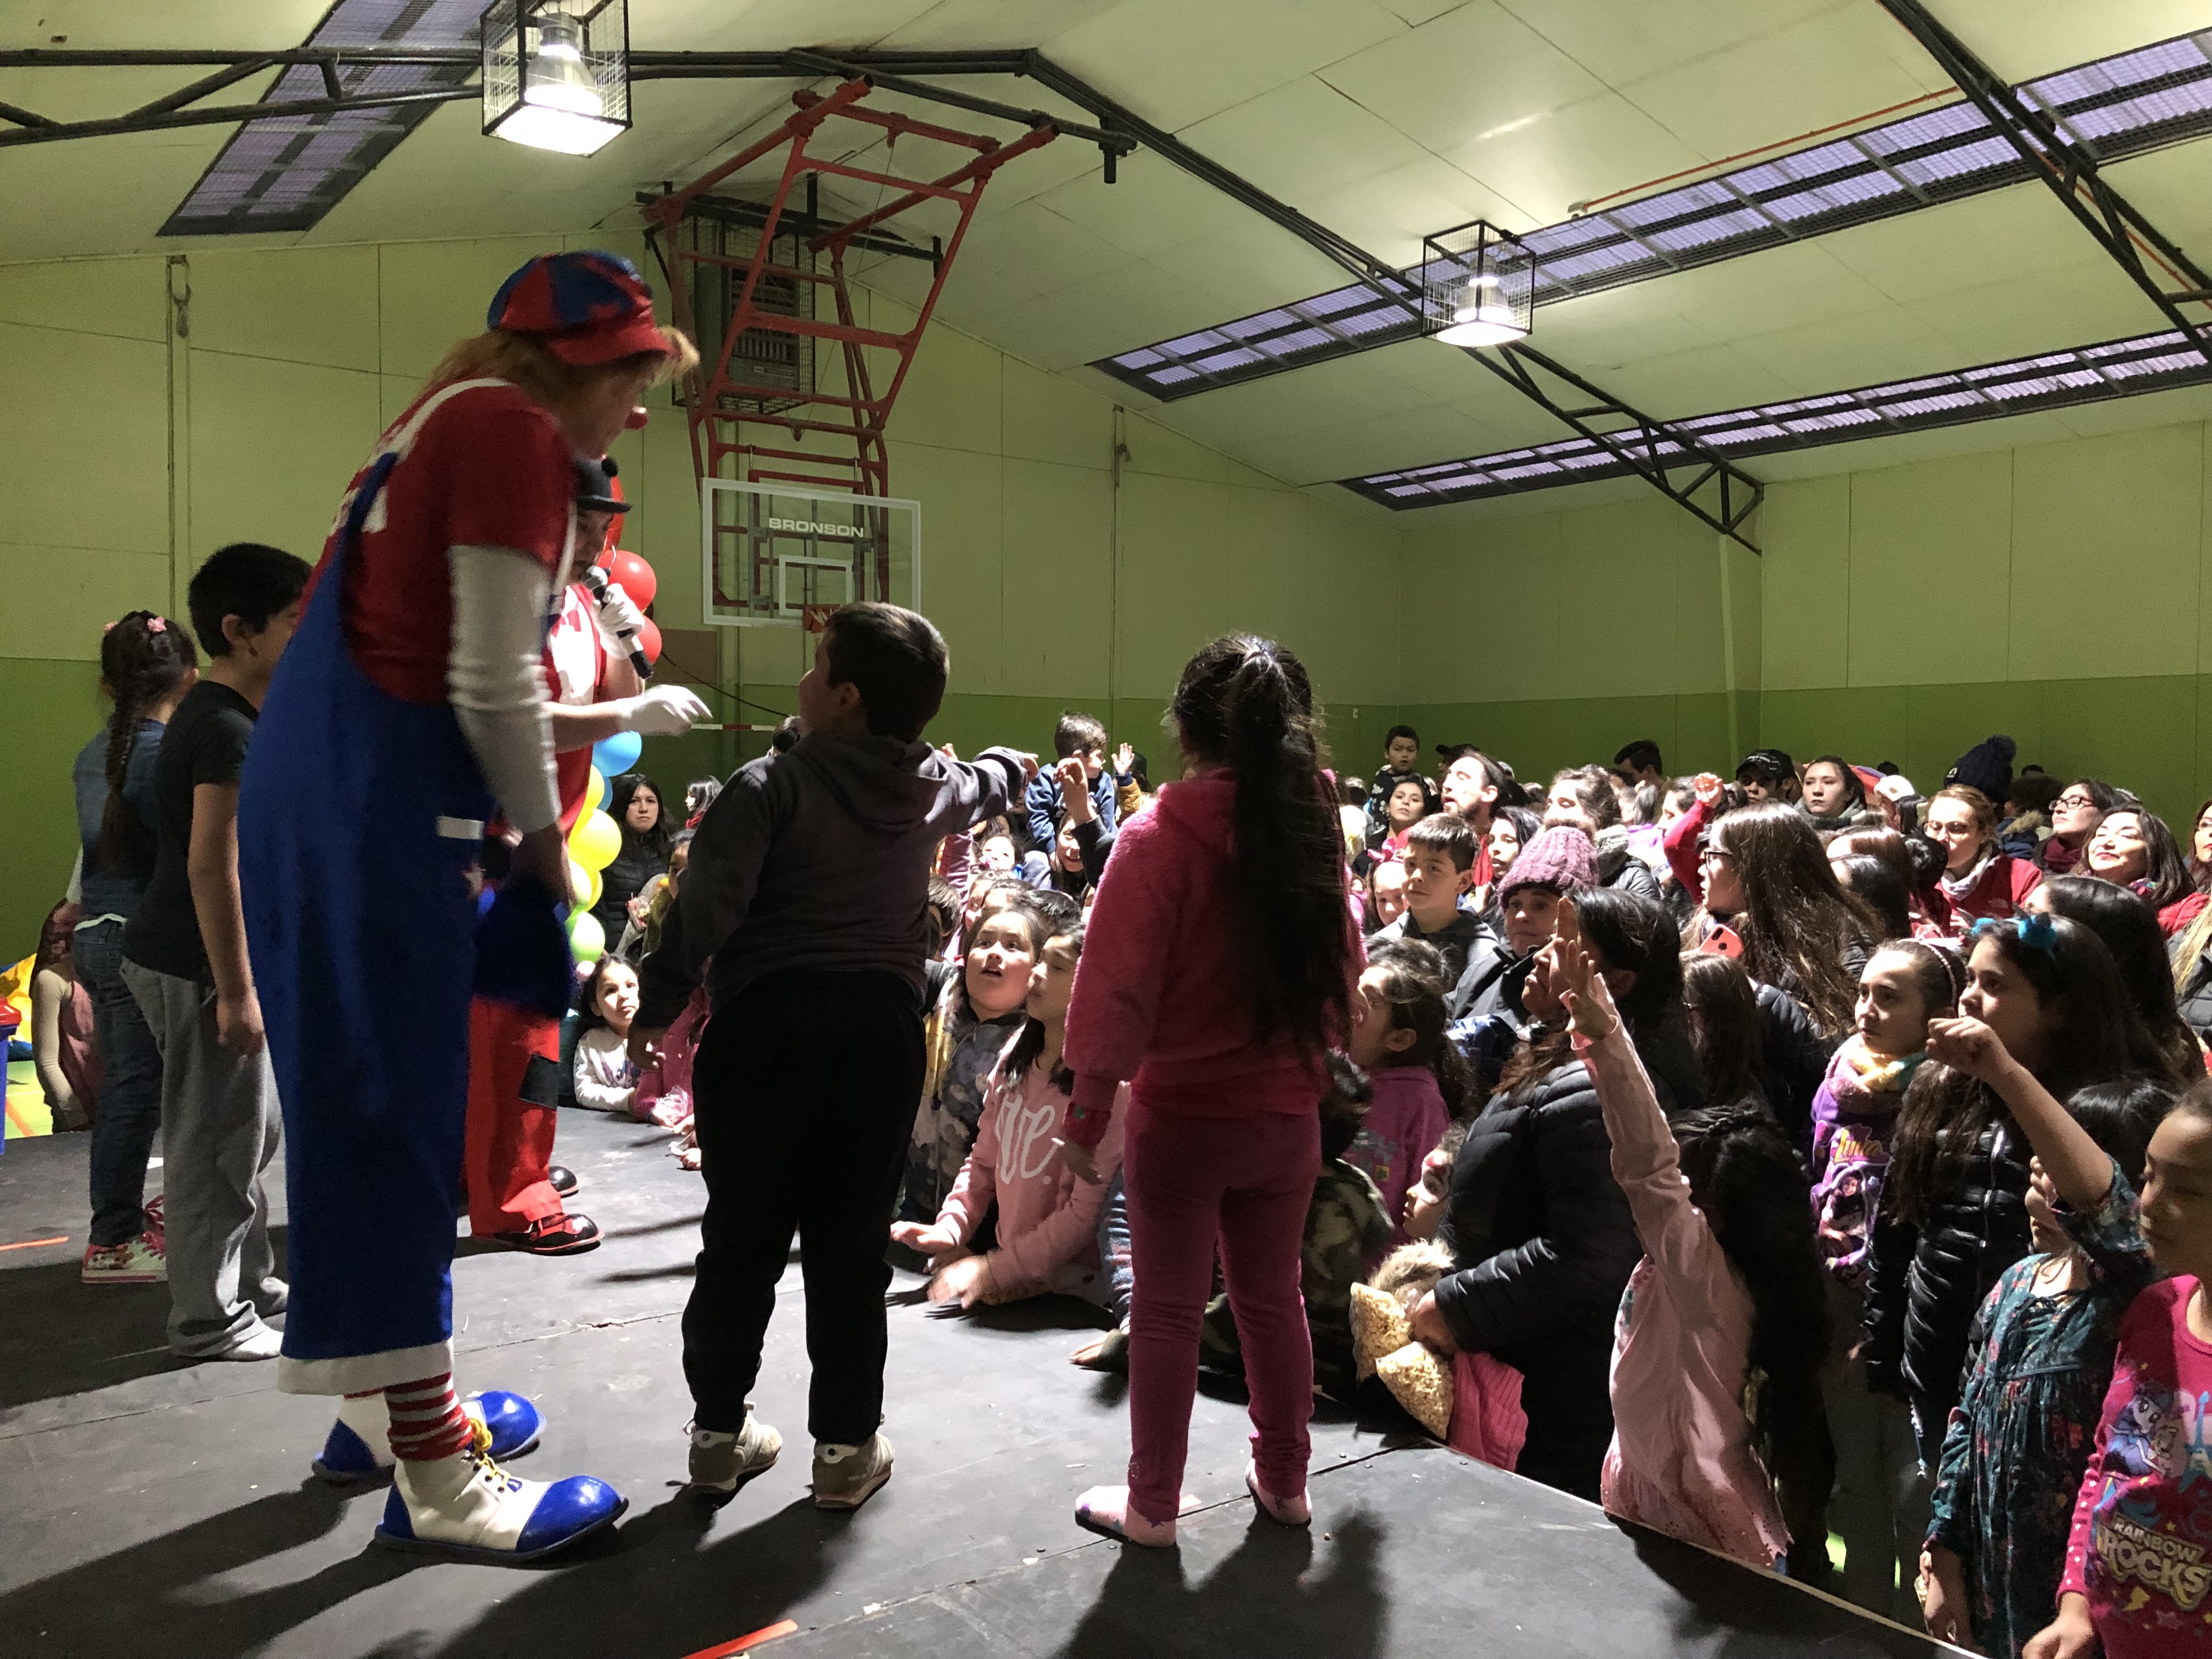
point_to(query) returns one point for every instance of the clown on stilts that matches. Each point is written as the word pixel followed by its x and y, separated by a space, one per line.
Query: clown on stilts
pixel 410 710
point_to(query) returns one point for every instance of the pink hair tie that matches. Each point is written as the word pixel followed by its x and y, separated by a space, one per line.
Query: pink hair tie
pixel 107 628
pixel 157 625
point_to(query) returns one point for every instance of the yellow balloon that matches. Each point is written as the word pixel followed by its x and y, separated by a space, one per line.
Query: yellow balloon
pixel 595 841
pixel 596 790
pixel 584 886
pixel 588 940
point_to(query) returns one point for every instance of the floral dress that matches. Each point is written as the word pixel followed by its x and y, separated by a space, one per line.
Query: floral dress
pixel 2020 1436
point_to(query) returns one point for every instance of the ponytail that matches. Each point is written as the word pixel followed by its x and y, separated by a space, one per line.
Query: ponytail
pixel 144 657
pixel 1246 704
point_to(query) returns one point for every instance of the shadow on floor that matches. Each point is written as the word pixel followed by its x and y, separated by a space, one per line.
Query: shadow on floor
pixel 60 1336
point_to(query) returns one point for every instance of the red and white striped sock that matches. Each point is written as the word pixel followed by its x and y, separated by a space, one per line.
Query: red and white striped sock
pixel 427 1419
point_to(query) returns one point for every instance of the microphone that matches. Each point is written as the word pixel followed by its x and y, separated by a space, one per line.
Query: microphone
pixel 595 583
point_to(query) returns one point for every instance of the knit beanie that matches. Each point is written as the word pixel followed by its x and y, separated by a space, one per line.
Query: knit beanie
pixel 1986 767
pixel 1561 859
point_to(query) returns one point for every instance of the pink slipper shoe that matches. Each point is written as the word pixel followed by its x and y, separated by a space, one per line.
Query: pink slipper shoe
pixel 1289 1511
pixel 1107 1511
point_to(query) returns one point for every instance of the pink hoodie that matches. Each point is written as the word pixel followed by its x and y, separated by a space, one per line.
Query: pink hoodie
pixel 1163 994
pixel 1048 1219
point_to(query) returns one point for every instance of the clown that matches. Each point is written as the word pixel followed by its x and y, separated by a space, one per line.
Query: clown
pixel 411 708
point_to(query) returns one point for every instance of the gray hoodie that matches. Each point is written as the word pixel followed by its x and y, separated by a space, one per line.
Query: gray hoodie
pixel 818 858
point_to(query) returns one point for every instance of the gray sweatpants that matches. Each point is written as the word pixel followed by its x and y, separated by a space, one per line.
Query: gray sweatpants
pixel 219 1129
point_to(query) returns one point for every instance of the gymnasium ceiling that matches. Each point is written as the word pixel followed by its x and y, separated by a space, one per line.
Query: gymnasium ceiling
pixel 1384 119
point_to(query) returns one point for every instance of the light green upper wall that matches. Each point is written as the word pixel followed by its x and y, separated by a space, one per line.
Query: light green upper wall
pixel 134 451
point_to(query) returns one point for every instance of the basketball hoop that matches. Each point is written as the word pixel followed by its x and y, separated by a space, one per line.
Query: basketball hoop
pixel 815 618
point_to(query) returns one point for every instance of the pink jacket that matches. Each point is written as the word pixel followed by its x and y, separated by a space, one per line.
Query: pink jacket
pixel 1405 1121
pixel 663 1090
pixel 1163 994
pixel 1681 1459
pixel 1048 1219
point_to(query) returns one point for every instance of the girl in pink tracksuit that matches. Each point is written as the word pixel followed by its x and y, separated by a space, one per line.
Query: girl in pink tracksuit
pixel 1048 1226
pixel 1221 963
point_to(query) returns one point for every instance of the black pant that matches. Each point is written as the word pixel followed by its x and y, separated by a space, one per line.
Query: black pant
pixel 805 1088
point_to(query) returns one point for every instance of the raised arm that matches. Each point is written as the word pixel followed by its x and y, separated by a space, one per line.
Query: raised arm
pixel 2079 1169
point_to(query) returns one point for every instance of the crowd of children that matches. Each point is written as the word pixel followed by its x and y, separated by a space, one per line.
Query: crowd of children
pixel 1802 1158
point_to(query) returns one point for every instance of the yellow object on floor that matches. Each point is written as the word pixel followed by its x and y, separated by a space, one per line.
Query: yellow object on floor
pixel 28 1111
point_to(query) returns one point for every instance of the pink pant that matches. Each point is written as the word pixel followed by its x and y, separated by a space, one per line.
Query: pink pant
pixel 1244 1182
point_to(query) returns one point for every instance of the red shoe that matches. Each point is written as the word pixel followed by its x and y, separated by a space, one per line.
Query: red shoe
pixel 553 1235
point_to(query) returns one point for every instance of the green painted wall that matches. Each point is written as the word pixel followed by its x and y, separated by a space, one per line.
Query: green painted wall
pixel 2059 593
pixel 139 435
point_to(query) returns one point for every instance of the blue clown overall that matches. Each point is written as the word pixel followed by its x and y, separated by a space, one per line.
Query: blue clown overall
pixel 360 813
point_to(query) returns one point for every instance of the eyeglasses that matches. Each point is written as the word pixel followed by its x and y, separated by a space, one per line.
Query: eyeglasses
pixel 2073 803
pixel 1715 855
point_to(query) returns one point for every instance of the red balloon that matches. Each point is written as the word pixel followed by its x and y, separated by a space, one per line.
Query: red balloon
pixel 636 577
pixel 648 640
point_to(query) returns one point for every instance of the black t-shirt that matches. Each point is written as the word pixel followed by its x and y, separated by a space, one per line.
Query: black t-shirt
pixel 206 742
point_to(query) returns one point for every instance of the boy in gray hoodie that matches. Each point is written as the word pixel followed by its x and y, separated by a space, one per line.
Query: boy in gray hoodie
pixel 806 886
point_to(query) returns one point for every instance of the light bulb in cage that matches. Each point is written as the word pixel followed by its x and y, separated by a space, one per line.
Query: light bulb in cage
pixel 556 72
pixel 1478 286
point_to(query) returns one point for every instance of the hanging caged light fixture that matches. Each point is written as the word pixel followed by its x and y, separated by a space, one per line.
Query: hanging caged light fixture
pixel 556 72
pixel 1478 285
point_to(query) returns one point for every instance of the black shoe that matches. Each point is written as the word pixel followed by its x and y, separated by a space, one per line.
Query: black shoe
pixel 564 1182
pixel 554 1235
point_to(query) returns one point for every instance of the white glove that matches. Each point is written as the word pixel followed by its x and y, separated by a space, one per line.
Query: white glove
pixel 617 616
pixel 665 711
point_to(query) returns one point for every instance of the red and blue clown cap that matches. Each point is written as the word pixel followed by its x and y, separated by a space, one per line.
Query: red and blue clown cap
pixel 588 307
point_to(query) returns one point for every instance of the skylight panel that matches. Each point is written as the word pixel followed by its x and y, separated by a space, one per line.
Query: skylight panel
pixel 286 173
pixel 1989 391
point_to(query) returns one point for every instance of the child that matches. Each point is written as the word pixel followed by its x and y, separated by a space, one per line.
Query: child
pixel 664 1086
pixel 2016 1446
pixel 1221 959
pixel 1079 737
pixel 1386 895
pixel 1401 755
pixel 187 937
pixel 805 889
pixel 1404 804
pixel 1879 1506
pixel 1439 859
pixel 1047 1220
pixel 977 1013
pixel 2136 1576
pixel 605 1081
pixel 1726 1306
pixel 1953 1215
pixel 1420 1080
pixel 1347 1228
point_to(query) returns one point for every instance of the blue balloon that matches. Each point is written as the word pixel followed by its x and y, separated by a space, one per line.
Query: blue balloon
pixel 616 755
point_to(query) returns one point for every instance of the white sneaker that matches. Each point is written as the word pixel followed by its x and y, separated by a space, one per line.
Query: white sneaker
pixel 466 1505
pixel 262 1342
pixel 138 1260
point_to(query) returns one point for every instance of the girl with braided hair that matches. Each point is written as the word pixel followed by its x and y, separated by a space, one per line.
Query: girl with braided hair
pixel 1219 966
pixel 147 664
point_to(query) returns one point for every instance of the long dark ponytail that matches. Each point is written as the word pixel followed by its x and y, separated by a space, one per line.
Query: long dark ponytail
pixel 143 657
pixel 1246 704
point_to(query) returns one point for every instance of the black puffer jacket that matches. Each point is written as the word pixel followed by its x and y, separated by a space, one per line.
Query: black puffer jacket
pixel 2196 997
pixel 1545 1243
pixel 1793 1062
pixel 1929 1279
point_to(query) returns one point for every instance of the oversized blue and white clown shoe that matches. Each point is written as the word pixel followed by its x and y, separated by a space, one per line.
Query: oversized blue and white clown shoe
pixel 359 1449
pixel 468 1508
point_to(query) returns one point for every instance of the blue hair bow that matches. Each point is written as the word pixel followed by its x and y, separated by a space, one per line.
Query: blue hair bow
pixel 2035 932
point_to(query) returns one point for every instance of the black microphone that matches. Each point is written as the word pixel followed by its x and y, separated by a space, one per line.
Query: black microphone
pixel 595 583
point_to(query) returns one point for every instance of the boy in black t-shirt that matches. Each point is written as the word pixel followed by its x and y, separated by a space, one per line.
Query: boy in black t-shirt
pixel 184 959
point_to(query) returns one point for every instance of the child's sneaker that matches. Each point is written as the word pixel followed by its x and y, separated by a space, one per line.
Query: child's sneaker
pixel 138 1260
pixel 845 1477
pixel 720 1462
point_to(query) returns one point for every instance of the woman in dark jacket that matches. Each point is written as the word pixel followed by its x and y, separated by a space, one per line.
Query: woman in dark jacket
pixel 1541 1234
pixel 1953 1218
pixel 646 843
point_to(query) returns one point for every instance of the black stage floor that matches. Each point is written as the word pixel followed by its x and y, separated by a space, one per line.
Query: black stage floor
pixel 149 1507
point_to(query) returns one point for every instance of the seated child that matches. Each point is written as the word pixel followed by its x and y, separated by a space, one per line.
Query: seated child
pixel 977 1012
pixel 1047 1217
pixel 605 1081
pixel 1470 1401
pixel 1439 869
pixel 1345 1224
pixel 1420 1080
pixel 664 1088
